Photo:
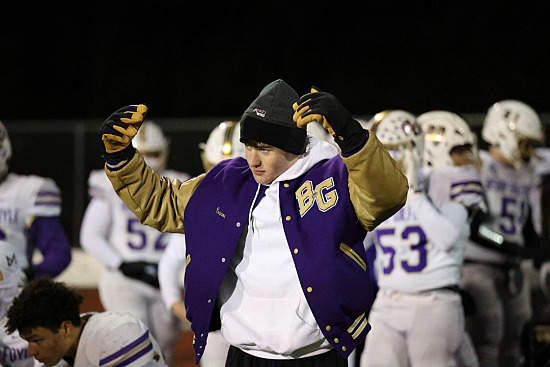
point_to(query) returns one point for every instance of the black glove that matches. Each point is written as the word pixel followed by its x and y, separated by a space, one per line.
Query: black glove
pixel 141 270
pixel 486 237
pixel 118 131
pixel 327 110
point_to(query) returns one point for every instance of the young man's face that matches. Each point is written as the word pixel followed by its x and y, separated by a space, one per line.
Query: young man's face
pixel 267 162
pixel 46 346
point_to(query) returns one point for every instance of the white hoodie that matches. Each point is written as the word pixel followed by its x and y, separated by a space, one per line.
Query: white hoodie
pixel 263 309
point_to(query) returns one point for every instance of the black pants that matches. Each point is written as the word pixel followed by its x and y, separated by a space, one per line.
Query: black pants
pixel 238 358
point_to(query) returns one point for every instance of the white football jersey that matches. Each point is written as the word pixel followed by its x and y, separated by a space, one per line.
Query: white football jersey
pixel 22 198
pixel 541 164
pixel 507 192
pixel 420 248
pixel 172 270
pixel 116 339
pixel 461 184
pixel 131 240
pixel 14 350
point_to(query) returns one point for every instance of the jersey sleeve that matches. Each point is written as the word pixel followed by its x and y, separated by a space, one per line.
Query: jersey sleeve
pixel 99 186
pixel 94 233
pixel 542 161
pixel 171 265
pixel 48 236
pixel 156 201
pixel 47 201
pixel 368 242
pixel 128 344
pixel 459 184
pixel 445 227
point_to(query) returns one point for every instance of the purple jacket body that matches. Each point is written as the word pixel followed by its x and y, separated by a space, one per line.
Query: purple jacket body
pixel 326 242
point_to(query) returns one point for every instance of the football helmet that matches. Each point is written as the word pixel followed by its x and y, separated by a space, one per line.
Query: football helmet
pixel 222 143
pixel 514 128
pixel 443 131
pixel 5 149
pixel 401 134
pixel 153 145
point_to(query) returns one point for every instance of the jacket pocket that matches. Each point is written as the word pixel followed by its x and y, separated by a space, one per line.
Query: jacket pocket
pixel 353 255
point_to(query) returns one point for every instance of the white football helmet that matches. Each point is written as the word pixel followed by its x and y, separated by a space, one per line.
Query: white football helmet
pixel 401 134
pixel 5 149
pixel 443 131
pixel 514 128
pixel 222 143
pixel 153 145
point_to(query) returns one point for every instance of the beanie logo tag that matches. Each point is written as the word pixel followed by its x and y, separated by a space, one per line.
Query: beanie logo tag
pixel 259 112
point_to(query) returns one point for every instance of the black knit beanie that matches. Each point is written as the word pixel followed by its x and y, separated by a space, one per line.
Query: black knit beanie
pixel 269 120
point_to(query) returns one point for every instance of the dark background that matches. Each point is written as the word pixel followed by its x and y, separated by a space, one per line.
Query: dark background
pixel 86 59
pixel 66 66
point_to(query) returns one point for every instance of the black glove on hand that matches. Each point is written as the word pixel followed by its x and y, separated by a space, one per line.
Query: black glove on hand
pixel 327 110
pixel 118 131
pixel 141 270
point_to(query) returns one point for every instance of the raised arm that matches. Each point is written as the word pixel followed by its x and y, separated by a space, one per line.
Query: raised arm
pixel 156 201
pixel 377 186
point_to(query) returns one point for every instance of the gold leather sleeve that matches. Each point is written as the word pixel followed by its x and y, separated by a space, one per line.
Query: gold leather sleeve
pixel 156 201
pixel 376 184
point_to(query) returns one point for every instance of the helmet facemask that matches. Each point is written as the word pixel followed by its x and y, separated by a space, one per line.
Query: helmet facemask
pixel 526 148
pixel 446 133
pixel 402 136
pixel 157 160
pixel 515 129
pixel 464 155
pixel 153 145
pixel 410 162
pixel 222 143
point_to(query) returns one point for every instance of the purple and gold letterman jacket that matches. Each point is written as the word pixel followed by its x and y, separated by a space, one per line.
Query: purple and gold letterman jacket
pixel 325 212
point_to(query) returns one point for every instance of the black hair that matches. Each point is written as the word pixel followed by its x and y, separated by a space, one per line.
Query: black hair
pixel 44 303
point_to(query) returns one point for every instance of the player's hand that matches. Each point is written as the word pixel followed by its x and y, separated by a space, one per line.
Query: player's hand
pixel 119 129
pixel 141 270
pixel 327 110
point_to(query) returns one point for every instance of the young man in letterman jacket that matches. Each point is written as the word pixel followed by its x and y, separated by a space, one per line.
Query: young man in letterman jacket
pixel 275 252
